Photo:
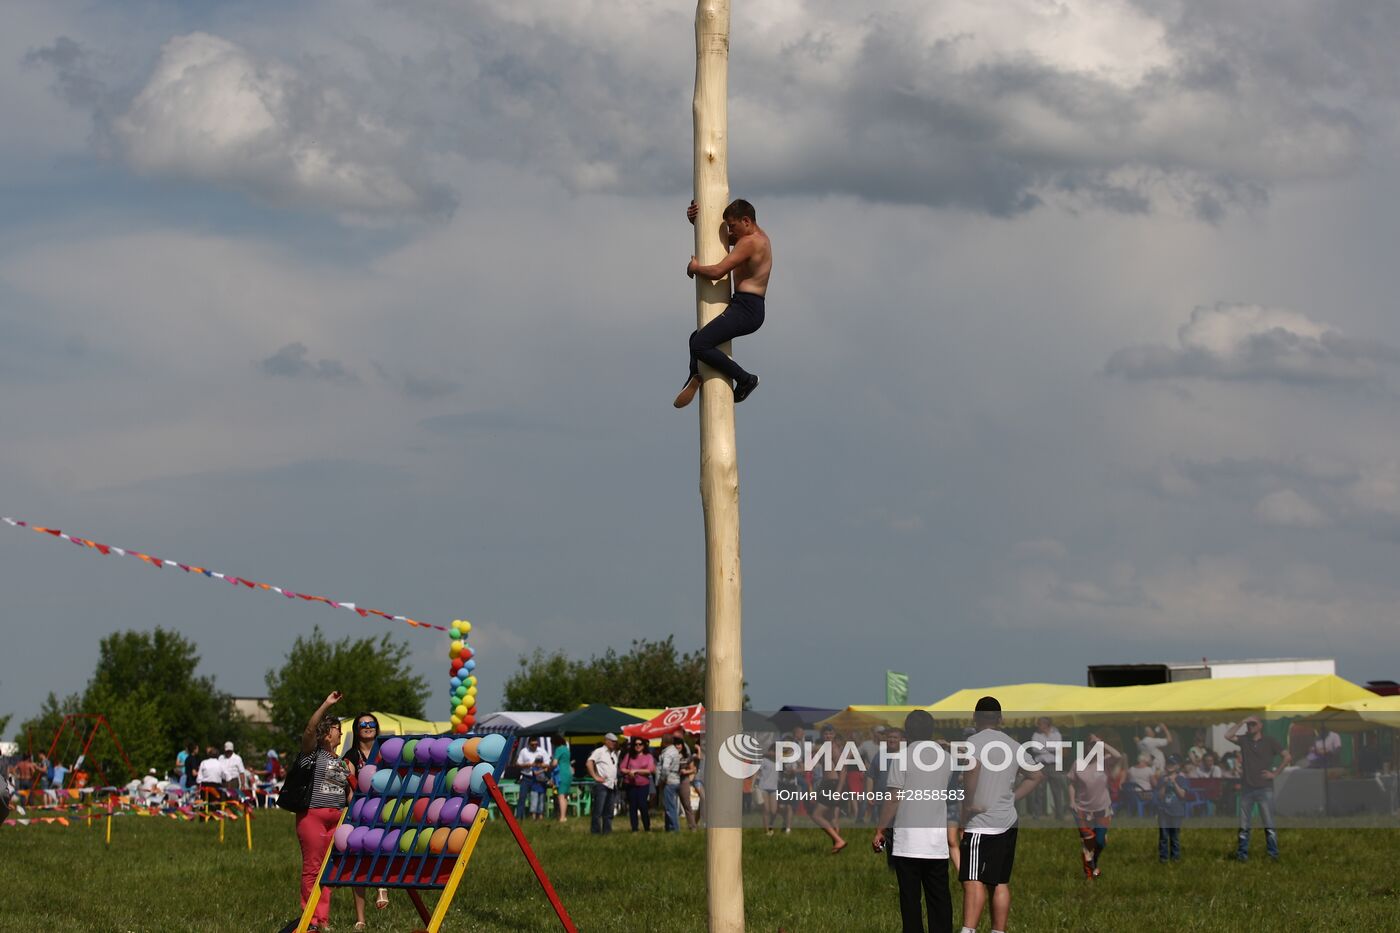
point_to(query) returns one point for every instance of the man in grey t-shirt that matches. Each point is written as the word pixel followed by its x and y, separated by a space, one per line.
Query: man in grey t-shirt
pixel 989 817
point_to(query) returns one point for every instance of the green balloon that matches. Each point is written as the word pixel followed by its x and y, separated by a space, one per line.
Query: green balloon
pixel 406 840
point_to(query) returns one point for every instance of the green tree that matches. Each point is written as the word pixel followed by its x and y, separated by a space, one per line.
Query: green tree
pixel 373 674
pixel 146 686
pixel 651 674
pixel 160 667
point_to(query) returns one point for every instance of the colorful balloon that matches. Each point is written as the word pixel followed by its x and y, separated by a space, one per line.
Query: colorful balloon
pixel 379 783
pixel 355 841
pixel 438 841
pixel 455 840
pixel 423 751
pixel 463 781
pixel 406 754
pixel 391 749
pixel 390 841
pixel 406 840
pixel 435 810
pixel 478 778
pixel 472 750
pixel 341 839
pixel 451 809
pixel 469 813
pixel 492 747
pixel 371 840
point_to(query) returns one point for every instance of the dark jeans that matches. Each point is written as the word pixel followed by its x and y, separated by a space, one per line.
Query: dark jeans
pixel 1169 842
pixel 743 316
pixel 602 809
pixel 639 801
pixel 923 879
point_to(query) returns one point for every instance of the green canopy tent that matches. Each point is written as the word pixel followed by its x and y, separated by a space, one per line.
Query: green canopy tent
pixel 595 719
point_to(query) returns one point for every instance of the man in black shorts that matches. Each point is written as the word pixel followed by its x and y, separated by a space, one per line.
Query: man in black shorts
pixel 750 260
pixel 989 818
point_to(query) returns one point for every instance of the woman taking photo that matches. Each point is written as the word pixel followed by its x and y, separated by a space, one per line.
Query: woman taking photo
pixel 366 726
pixel 331 778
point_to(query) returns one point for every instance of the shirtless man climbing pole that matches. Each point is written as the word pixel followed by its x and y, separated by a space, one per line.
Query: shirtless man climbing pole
pixel 750 259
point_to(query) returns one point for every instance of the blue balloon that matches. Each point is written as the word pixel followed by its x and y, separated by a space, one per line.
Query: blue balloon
pixel 491 747
pixel 470 665
pixel 479 772
pixel 380 782
pixel 456 682
pixel 410 787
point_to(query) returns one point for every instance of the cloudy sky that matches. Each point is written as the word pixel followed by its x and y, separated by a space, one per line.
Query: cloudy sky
pixel 1081 342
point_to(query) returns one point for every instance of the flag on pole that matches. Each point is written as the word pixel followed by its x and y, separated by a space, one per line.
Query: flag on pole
pixel 896 688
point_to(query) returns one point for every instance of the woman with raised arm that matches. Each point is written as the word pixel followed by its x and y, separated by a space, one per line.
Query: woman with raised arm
pixel 331 778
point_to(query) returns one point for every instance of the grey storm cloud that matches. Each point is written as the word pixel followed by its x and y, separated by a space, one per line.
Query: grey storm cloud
pixel 1249 342
pixel 414 385
pixel 213 111
pixel 291 362
pixel 990 108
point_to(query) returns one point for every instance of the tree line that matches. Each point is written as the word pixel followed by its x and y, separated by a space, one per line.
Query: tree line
pixel 148 687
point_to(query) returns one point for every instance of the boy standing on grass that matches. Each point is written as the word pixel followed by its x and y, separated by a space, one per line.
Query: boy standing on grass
pixel 1171 810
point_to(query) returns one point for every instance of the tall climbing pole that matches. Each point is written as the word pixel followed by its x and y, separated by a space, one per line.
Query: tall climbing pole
pixel 719 482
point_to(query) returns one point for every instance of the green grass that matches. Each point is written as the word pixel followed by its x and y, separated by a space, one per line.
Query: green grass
pixel 168 877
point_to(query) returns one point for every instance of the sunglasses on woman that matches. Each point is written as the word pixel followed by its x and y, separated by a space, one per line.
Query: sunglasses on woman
pixel 367 725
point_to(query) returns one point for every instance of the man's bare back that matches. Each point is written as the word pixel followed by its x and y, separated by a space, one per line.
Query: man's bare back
pixel 749 262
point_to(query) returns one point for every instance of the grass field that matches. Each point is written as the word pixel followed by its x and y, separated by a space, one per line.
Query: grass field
pixel 166 877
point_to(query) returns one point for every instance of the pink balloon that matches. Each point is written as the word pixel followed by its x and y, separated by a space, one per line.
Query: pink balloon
pixel 342 836
pixel 364 777
pixel 435 809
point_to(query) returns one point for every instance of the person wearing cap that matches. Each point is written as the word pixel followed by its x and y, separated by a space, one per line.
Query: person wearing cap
pixel 990 792
pixel 1169 795
pixel 232 771
pixel 1257 773
pixel 602 768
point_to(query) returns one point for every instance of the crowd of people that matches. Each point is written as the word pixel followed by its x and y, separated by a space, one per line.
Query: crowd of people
pixel 633 776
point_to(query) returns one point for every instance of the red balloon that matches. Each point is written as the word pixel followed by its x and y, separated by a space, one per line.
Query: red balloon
pixel 457 664
pixel 467 654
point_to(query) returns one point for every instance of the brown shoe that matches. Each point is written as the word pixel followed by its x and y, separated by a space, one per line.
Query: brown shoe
pixel 692 385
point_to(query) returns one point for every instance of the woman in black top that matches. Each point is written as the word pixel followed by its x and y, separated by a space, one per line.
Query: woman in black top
pixel 366 730
pixel 330 793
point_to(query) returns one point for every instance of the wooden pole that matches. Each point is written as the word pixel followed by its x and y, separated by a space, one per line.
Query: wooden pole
pixel 719 480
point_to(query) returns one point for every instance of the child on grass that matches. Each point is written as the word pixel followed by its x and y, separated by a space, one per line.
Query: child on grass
pixel 1171 792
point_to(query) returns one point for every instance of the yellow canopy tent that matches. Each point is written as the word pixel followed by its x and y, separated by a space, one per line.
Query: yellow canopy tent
pixel 1371 712
pixel 1190 702
pixel 394 724
pixel 862 718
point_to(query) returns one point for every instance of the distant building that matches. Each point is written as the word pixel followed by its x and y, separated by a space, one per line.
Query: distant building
pixel 254 709
pixel 1132 675
pixel 1385 688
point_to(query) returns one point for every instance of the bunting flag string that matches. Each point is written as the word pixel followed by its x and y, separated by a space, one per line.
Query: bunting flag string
pixel 158 563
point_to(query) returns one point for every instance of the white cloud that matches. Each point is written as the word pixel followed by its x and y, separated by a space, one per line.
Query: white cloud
pixel 213 111
pixel 1287 508
pixel 1252 342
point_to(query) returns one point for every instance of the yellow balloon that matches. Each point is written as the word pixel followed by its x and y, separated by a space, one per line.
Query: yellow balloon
pixel 455 719
pixel 461 710
pixel 456 647
pixel 471 691
pixel 465 626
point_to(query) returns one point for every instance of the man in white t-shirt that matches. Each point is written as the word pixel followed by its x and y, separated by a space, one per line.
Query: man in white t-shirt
pixel 989 818
pixel 231 770
pixel 918 811
pixel 602 768
pixel 1152 742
